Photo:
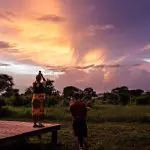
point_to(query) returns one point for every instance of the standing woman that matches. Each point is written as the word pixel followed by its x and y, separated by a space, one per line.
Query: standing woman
pixel 38 100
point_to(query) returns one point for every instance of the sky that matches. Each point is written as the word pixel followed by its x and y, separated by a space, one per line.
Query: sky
pixel 84 43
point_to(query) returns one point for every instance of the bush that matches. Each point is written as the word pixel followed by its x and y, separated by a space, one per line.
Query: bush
pixel 5 112
pixel 27 100
pixel 15 101
pixel 2 102
pixel 52 101
pixel 143 100
pixel 66 102
pixel 124 98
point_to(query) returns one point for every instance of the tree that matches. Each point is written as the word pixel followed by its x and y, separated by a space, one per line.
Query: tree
pixel 6 82
pixel 88 93
pixel 29 91
pixel 122 89
pixel 49 87
pixel 70 90
pixel 123 93
pixel 11 92
pixel 137 92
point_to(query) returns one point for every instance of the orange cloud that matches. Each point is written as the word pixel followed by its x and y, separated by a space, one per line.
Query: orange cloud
pixel 51 39
pixel 95 57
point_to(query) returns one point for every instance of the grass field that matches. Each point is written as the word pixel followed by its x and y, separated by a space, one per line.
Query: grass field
pixel 110 127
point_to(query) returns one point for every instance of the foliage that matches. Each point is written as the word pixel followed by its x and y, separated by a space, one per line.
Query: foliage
pixel 49 87
pixel 29 91
pixel 69 91
pixel 6 82
pixel 88 93
pixel 143 100
pixel 52 101
pixel 11 92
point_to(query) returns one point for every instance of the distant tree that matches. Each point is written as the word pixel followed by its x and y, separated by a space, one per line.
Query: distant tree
pixel 122 89
pixel 124 98
pixel 70 90
pixel 6 82
pixel 88 93
pixel 143 100
pixel 56 92
pixel 123 93
pixel 111 98
pixel 49 87
pixel 29 91
pixel 137 92
pixel 11 92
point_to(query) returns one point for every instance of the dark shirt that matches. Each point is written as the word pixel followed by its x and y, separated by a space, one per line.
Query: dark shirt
pixel 38 88
pixel 78 110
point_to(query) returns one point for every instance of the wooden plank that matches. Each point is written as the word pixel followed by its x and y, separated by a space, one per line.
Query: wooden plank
pixel 13 130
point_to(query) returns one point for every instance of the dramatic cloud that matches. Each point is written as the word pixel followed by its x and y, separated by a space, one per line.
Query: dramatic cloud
pixel 84 43
pixel 136 78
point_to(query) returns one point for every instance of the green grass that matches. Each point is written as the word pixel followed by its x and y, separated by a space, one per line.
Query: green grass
pixel 106 136
pixel 97 114
pixel 109 127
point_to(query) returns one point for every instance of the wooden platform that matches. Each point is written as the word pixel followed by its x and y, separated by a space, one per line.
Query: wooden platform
pixel 15 130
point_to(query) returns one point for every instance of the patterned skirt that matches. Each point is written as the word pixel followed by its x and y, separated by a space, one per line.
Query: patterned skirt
pixel 38 104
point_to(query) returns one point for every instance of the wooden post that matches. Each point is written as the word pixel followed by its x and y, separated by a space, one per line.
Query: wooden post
pixel 54 137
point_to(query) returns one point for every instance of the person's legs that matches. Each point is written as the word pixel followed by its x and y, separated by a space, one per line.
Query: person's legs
pixel 40 121
pixel 85 142
pixel 35 121
pixel 76 133
pixel 85 135
pixel 76 143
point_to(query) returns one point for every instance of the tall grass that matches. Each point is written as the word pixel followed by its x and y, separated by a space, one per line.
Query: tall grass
pixel 101 113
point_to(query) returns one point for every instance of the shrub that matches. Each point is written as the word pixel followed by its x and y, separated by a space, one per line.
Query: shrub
pixel 52 101
pixel 5 112
pixel 27 100
pixel 124 98
pixel 66 102
pixel 15 101
pixel 2 101
pixel 143 100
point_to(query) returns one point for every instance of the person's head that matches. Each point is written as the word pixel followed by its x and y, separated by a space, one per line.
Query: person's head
pixel 40 72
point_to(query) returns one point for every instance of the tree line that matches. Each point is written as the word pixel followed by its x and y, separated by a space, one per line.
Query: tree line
pixel 117 96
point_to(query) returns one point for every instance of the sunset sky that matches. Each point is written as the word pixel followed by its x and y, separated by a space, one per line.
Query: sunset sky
pixel 84 43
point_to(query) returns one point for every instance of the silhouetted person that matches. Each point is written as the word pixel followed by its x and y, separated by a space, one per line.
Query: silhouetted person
pixel 38 101
pixel 79 113
pixel 41 75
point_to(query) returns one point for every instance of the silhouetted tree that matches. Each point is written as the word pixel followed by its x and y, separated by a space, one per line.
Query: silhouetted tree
pixel 88 93
pixel 123 93
pixel 70 90
pixel 11 92
pixel 29 91
pixel 49 87
pixel 122 89
pixel 6 82
pixel 137 92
